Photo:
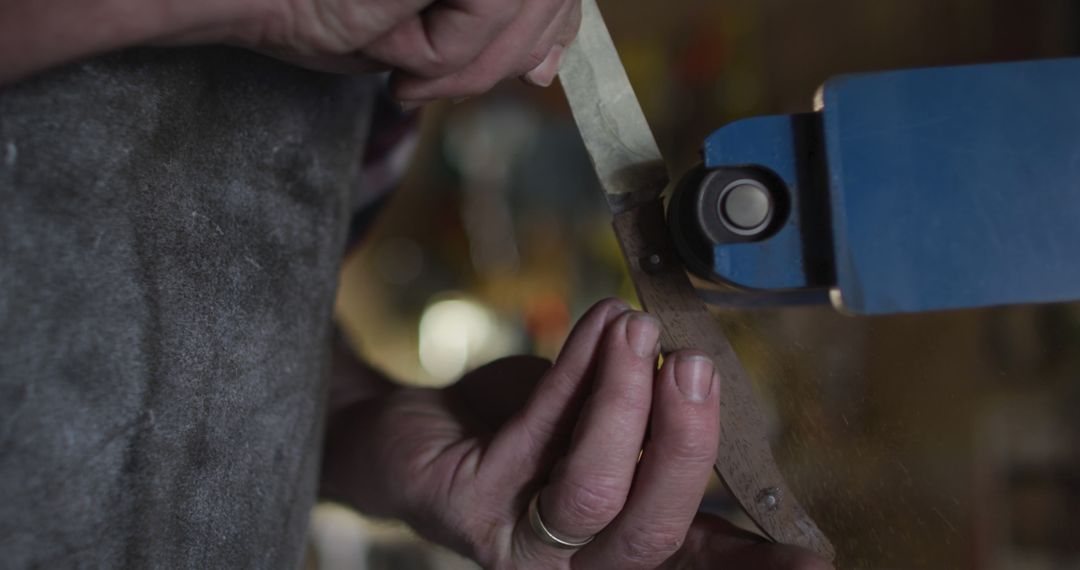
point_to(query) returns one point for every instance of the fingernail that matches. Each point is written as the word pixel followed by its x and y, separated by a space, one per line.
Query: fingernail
pixel 543 74
pixel 642 333
pixel 693 376
pixel 407 106
pixel 460 100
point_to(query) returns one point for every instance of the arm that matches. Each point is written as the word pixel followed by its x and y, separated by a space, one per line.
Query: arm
pixel 38 34
pixel 436 48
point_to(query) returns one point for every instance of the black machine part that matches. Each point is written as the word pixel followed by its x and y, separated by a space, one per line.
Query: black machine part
pixel 723 206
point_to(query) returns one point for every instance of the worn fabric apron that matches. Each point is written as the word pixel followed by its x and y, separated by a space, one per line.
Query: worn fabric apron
pixel 171 225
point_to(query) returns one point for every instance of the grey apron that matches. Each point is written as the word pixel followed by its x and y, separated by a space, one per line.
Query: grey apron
pixel 171 225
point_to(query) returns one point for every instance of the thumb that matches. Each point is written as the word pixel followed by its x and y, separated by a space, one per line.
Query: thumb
pixel 713 542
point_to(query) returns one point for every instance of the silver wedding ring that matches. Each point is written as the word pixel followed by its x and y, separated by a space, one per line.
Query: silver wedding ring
pixel 546 535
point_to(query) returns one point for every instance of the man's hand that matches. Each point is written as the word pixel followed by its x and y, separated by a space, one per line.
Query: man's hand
pixel 462 464
pixel 435 48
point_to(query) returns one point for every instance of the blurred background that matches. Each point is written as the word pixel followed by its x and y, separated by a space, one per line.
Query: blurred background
pixel 935 441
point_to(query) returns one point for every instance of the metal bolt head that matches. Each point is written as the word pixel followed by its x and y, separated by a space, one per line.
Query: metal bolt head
pixel 769 498
pixel 652 263
pixel 746 207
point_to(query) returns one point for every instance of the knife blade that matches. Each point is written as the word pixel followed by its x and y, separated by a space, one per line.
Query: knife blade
pixel 621 144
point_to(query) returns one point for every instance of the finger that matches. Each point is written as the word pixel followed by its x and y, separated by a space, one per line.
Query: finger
pixel 444 38
pixel 547 52
pixel 573 23
pixel 511 54
pixel 674 469
pixel 561 35
pixel 713 542
pixel 589 486
pixel 333 26
pixel 526 440
pixel 529 59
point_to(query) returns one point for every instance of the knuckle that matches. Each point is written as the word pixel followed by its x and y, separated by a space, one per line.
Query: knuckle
pixel 334 29
pixel 632 400
pixel 649 547
pixel 564 382
pixel 687 437
pixel 536 433
pixel 591 505
pixel 509 10
pixel 500 13
pixel 692 450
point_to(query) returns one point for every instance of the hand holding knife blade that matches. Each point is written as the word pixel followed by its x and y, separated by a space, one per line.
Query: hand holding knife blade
pixel 632 175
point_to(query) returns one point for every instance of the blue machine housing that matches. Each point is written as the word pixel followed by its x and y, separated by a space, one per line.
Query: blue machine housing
pixel 792 258
pixel 919 190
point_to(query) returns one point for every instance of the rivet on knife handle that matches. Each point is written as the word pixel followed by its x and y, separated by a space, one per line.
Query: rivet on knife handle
pixel 632 175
